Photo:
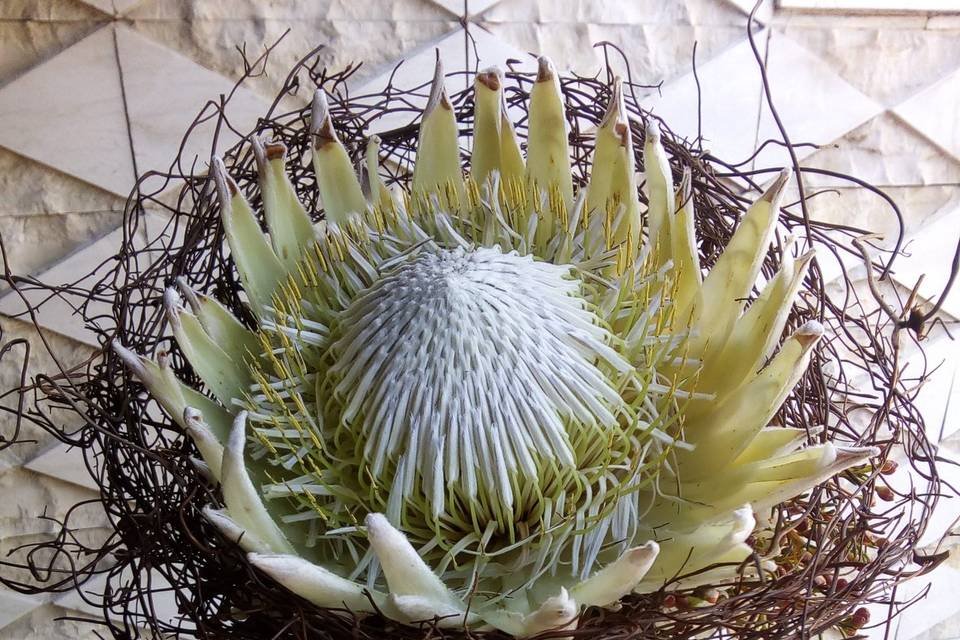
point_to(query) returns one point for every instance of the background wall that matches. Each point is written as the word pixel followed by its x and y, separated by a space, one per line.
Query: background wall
pixel 93 92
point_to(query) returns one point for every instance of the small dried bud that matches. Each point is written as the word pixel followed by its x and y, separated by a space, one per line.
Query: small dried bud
pixel 669 601
pixel 842 584
pixel 709 594
pixel 889 467
pixel 885 493
pixel 860 618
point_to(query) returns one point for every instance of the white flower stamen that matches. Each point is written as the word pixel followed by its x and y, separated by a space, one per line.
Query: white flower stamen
pixel 467 368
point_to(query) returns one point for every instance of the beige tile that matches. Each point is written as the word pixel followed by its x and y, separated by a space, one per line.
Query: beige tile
pixel 932 247
pixel 116 8
pixel 764 13
pixel 889 64
pixel 63 118
pixel 80 269
pixel 375 43
pixel 165 92
pixel 31 188
pixel 49 622
pixel 68 352
pixel 933 112
pixel 858 207
pixel 689 12
pixel 13 606
pixel 15 547
pixel 935 603
pixel 726 108
pixel 814 103
pixel 472 8
pixel 25 43
pixel 35 242
pixel 834 19
pixel 38 494
pixel 655 52
pixel 944 21
pixel 66 463
pixel 875 6
pixel 47 10
pixel 884 151
pixel 288 11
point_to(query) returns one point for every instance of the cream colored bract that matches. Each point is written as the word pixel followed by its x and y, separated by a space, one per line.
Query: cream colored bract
pixel 492 399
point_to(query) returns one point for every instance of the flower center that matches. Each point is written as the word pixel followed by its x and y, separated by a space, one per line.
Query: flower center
pixel 466 373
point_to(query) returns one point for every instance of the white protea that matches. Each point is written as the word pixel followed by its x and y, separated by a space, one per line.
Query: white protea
pixel 493 399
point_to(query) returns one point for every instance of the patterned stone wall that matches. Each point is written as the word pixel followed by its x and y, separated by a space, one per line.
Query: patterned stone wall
pixel 94 92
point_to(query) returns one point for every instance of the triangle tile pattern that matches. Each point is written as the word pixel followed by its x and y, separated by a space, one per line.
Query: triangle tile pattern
pixel 906 481
pixel 933 112
pixel 884 151
pixel 873 5
pixel 114 7
pixel 65 463
pixel 730 85
pixel 27 40
pixel 655 40
pixel 815 104
pixel 465 8
pixel 931 250
pixel 165 91
pixel 764 12
pixel 163 602
pixel 889 65
pixel 590 13
pixel 62 118
pixel 14 605
pixel 940 590
pixel 58 313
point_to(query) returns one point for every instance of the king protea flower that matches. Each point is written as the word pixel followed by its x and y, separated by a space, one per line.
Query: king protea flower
pixel 492 399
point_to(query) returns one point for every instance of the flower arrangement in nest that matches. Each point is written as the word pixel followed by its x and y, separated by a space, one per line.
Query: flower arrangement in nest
pixel 506 395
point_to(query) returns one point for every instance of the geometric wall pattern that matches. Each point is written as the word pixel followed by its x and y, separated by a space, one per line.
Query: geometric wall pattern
pixel 95 92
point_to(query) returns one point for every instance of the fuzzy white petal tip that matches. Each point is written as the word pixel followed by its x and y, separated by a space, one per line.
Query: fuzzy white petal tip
pixel 653 130
pixel 557 613
pixel 210 448
pixel 131 360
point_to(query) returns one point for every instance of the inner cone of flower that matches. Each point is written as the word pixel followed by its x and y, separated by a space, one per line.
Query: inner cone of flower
pixel 492 399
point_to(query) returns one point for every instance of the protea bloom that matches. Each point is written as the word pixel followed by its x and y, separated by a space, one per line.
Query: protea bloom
pixel 492 399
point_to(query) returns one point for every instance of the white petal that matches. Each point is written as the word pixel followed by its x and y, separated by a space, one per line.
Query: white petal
pixel 232 531
pixel 314 583
pixel 406 572
pixel 617 579
pixel 210 448
pixel 241 496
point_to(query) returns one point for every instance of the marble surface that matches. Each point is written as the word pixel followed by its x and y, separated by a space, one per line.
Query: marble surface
pixel 95 92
